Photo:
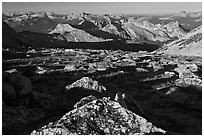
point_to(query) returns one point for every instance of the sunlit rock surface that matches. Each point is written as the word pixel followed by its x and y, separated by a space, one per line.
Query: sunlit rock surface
pixel 100 116
pixel 188 45
pixel 86 83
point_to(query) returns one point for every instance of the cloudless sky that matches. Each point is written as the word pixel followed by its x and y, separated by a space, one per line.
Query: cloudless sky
pixel 141 8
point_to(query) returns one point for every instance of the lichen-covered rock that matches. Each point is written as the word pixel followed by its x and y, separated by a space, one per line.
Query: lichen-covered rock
pixel 86 83
pixel 100 116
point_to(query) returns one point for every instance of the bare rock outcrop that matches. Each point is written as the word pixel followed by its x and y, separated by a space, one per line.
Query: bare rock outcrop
pixel 86 83
pixel 101 116
pixel 187 76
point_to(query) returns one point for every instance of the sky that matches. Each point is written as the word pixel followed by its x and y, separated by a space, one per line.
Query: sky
pixel 137 8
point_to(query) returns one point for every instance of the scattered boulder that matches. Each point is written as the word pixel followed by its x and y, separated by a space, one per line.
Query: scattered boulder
pixel 185 82
pixel 11 71
pixel 101 68
pixel 92 67
pixel 141 70
pixel 40 70
pixel 28 55
pixel 32 51
pixel 184 72
pixel 187 76
pixel 69 50
pixel 155 65
pixel 192 67
pixel 70 67
pixel 170 74
pixel 128 62
pixel 101 116
pixel 86 83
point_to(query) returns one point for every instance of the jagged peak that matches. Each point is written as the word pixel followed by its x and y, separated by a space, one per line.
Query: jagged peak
pixel 174 26
pixel 62 28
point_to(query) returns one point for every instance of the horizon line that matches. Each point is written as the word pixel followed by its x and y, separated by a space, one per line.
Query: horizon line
pixel 58 12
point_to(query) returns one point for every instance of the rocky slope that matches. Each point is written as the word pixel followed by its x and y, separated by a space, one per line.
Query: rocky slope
pixel 156 32
pixel 74 35
pixel 189 45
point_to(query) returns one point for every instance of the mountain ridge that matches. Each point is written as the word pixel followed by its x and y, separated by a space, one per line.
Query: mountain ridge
pixel 188 45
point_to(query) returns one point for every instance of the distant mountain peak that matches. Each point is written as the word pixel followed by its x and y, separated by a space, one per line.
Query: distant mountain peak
pixel 62 28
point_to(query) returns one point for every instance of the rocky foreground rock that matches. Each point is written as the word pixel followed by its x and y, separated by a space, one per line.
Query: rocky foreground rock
pixel 100 116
